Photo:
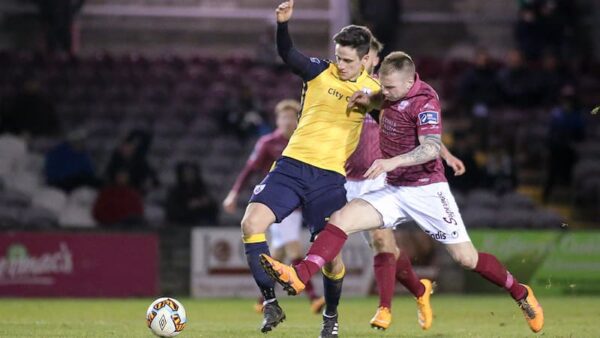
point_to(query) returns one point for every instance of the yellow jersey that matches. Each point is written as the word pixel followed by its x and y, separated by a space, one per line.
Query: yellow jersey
pixel 328 132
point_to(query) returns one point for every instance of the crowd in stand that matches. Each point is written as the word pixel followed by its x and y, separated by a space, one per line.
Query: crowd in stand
pixel 170 133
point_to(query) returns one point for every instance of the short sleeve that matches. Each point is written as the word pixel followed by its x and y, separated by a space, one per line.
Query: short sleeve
pixel 429 117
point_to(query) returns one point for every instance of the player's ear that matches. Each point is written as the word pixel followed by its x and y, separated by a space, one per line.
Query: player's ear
pixel 365 58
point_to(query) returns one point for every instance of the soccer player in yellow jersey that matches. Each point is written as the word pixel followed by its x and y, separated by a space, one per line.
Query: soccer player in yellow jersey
pixel 311 172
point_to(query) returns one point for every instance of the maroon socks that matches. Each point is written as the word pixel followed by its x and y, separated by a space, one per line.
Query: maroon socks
pixel 328 244
pixel 491 269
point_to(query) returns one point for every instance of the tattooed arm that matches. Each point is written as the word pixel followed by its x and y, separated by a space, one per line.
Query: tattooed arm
pixel 428 149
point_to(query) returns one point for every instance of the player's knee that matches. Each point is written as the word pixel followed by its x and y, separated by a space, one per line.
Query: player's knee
pixel 378 244
pixel 336 266
pixel 383 241
pixel 252 225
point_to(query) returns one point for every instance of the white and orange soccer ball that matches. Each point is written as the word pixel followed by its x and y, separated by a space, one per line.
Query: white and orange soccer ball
pixel 166 317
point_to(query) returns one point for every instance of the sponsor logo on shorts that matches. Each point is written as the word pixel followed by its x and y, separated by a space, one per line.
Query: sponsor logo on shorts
pixel 449 218
pixel 440 235
pixel 258 189
pixel 454 234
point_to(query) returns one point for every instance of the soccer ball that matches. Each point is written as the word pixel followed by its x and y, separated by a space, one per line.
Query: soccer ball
pixel 166 317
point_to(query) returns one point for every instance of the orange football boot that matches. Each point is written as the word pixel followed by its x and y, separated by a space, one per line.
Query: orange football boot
pixel 424 310
pixel 532 310
pixel 282 274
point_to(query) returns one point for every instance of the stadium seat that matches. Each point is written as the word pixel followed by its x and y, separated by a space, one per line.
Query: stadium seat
pixel 51 199
pixel 75 215
pixel 9 216
pixel 154 214
pixel 39 217
pixel 83 196
pixel 25 182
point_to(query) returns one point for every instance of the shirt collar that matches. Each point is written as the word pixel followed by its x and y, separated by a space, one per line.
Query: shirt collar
pixel 363 74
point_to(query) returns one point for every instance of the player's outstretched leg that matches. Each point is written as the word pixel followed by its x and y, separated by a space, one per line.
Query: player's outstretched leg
pixel 328 244
pixel 490 268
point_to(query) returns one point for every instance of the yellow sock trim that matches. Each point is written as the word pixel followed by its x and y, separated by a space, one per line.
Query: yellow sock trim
pixel 333 276
pixel 254 238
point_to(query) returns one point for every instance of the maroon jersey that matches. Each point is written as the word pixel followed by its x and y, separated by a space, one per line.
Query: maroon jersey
pixel 401 123
pixel 366 151
pixel 266 151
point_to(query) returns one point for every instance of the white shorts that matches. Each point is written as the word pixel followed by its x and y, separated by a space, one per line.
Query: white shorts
pixel 431 206
pixel 288 230
pixel 357 188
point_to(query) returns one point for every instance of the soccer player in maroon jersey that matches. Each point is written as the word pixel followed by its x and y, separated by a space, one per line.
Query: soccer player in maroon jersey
pixel 390 263
pixel 416 188
pixel 284 236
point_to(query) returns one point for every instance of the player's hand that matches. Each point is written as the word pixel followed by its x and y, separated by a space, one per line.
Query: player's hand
pixel 284 11
pixel 379 167
pixel 456 164
pixel 359 99
pixel 230 203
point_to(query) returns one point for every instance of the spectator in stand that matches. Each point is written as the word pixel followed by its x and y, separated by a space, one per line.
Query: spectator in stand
pixel 131 156
pixel 68 165
pixel 551 78
pixel 188 202
pixel 517 83
pixel 242 114
pixel 567 128
pixel 478 85
pixel 118 203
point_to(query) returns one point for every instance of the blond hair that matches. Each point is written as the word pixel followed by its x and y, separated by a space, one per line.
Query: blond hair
pixel 376 45
pixel 397 62
pixel 288 104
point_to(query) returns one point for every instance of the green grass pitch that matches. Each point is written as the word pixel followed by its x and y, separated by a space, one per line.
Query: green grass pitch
pixel 455 316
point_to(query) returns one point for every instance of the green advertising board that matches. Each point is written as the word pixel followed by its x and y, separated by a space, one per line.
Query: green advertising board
pixel 550 261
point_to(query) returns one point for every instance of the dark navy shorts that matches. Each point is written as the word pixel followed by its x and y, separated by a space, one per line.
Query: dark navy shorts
pixel 292 184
